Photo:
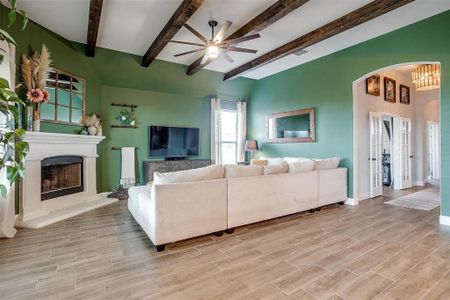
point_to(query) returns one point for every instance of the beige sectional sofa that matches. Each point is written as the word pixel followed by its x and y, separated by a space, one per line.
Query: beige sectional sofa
pixel 199 205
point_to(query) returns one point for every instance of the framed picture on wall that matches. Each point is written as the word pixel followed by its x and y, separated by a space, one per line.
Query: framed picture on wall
pixel 405 96
pixel 373 85
pixel 390 87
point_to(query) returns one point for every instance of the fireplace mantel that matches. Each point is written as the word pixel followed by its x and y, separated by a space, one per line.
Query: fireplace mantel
pixel 35 213
pixel 61 144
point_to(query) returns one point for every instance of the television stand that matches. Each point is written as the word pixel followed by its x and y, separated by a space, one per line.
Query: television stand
pixel 152 166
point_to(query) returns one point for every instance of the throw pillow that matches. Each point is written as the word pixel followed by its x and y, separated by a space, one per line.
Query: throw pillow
pixel 205 173
pixel 273 160
pixel 258 162
pixel 301 166
pixel 290 160
pixel 232 171
pixel 276 169
pixel 327 163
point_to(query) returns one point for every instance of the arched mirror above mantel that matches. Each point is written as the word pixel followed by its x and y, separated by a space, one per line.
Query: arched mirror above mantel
pixel 297 126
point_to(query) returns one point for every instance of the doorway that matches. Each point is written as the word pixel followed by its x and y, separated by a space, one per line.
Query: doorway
pixel 390 153
pixel 394 148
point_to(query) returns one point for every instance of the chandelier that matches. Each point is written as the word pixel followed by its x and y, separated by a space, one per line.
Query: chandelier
pixel 427 77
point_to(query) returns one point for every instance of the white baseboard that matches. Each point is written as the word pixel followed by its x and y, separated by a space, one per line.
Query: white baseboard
pixel 444 220
pixel 419 183
pixel 351 201
pixel 363 196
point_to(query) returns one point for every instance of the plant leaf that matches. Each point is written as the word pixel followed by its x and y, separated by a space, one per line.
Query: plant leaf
pixel 12 16
pixel 24 19
pixel 4 84
pixel 7 37
pixel 3 190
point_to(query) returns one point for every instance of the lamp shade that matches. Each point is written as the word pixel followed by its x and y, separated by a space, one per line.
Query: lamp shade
pixel 251 145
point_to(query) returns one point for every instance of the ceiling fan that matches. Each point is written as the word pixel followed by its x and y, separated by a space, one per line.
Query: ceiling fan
pixel 217 44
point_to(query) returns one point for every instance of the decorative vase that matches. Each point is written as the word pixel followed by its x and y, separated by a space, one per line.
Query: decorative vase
pixel 36 121
pixel 29 126
pixel 92 130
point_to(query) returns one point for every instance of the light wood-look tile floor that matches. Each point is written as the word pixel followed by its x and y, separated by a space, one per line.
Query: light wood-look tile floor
pixel 342 252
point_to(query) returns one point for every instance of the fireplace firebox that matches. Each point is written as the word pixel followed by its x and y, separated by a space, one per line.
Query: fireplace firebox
pixel 60 176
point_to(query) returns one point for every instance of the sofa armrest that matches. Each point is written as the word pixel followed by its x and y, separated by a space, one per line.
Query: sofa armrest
pixel 332 186
pixel 185 210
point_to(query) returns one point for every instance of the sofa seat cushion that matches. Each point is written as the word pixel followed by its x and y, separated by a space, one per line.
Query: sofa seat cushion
pixel 301 166
pixel 200 174
pixel 276 169
pixel 232 171
pixel 327 163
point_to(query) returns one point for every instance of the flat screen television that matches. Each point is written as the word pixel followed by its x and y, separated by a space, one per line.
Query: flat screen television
pixel 173 141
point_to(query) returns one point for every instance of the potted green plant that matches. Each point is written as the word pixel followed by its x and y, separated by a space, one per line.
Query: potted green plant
pixel 12 147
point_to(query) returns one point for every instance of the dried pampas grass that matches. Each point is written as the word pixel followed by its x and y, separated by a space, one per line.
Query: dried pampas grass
pixel 26 73
pixel 44 67
pixel 35 69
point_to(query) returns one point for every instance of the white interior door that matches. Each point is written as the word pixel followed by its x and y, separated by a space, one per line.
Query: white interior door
pixel 433 151
pixel 375 159
pixel 405 159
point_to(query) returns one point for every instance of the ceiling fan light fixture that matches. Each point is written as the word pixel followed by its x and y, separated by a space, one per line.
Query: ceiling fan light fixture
pixel 213 51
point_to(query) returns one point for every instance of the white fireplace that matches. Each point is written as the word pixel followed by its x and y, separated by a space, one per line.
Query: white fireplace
pixel 60 178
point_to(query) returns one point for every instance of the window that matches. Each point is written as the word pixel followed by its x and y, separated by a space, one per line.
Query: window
pixel 67 98
pixel 228 131
pixel 229 138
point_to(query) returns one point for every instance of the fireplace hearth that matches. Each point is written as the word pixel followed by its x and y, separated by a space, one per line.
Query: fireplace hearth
pixel 60 176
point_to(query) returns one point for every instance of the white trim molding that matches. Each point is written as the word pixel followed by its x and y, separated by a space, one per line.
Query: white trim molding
pixel 351 201
pixel 444 220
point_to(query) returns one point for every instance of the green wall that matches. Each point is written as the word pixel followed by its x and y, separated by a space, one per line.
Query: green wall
pixel 326 84
pixel 153 108
pixel 164 93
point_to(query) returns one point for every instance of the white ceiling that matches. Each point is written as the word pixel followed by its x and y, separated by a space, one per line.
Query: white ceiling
pixel 132 25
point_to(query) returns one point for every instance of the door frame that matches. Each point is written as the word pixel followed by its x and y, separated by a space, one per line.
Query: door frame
pixel 355 200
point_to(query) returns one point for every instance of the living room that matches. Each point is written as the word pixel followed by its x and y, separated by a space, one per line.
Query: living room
pixel 217 153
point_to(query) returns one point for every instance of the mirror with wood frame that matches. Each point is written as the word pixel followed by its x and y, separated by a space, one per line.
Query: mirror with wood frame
pixel 297 126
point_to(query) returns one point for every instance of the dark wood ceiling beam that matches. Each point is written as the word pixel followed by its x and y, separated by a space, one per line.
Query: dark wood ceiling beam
pixel 186 9
pixel 95 11
pixel 357 17
pixel 269 16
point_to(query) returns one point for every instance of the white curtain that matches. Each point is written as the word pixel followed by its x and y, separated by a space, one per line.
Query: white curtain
pixel 7 206
pixel 242 129
pixel 215 131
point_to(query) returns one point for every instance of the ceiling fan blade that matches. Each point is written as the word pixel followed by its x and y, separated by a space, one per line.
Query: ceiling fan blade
pixel 196 33
pixel 189 52
pixel 228 57
pixel 187 43
pixel 204 59
pixel 223 31
pixel 238 49
pixel 242 39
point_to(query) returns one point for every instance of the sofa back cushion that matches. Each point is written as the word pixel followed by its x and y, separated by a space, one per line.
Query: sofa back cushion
pixel 276 169
pixel 205 173
pixel 327 163
pixel 301 166
pixel 232 171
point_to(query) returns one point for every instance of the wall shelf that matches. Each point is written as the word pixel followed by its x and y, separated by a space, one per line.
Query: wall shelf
pixel 124 105
pixel 124 126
